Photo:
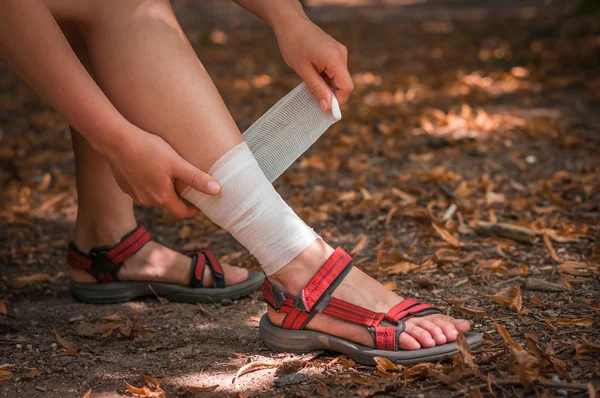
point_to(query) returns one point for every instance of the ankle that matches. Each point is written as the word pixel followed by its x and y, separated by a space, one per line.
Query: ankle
pixel 296 274
pixel 90 233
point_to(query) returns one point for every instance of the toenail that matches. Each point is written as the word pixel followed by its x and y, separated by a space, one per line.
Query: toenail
pixel 454 331
pixel 457 321
pixel 416 345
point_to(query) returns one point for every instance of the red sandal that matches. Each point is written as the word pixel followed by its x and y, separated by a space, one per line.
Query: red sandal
pixel 316 298
pixel 103 263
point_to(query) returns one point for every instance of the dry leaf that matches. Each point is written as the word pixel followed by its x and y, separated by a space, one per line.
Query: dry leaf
pixel 203 389
pixel 571 321
pixel 69 347
pixel 465 350
pixel 445 235
pixel 32 373
pixel 509 297
pixel 254 366
pixel 23 281
pixel 578 269
pixel 362 242
pixel 385 364
pixel 551 250
pixel 527 368
pixel 391 285
pixel 87 394
pixel 342 360
pixel 3 305
pixel 359 379
pixel 135 390
pixel 6 371
pixel 322 390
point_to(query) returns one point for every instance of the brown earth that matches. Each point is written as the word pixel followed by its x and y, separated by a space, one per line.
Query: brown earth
pixel 475 104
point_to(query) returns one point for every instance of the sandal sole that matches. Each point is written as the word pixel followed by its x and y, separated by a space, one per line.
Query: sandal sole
pixel 303 341
pixel 117 292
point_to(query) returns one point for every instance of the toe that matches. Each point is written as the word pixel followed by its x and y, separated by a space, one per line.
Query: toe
pixel 448 328
pixel 462 325
pixel 234 275
pixel 407 342
pixel 419 334
pixel 434 330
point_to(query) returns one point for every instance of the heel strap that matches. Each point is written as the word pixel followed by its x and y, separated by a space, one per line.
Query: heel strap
pixel 103 263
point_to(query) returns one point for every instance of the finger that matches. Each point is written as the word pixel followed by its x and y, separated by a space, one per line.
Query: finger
pixel 434 330
pixel 420 334
pixel 196 178
pixel 317 87
pixel 177 207
pixel 342 81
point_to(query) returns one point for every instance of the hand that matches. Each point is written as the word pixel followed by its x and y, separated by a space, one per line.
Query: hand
pixel 146 168
pixel 317 58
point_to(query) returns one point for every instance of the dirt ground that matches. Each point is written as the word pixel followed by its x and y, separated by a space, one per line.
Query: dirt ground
pixel 468 119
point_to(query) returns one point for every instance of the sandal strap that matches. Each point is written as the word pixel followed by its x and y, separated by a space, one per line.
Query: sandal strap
pixel 316 298
pixel 199 261
pixel 103 263
pixel 409 308
pixel 325 280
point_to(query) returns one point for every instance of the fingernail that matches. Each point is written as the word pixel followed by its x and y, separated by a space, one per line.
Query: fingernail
pixel 323 104
pixel 457 321
pixel 212 187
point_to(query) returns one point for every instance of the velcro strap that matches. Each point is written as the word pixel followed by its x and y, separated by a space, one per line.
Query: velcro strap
pixel 216 269
pixel 128 246
pixel 327 278
pixel 408 308
pixel 352 313
pixel 77 259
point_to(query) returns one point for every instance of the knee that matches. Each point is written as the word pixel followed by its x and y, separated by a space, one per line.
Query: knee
pixel 119 11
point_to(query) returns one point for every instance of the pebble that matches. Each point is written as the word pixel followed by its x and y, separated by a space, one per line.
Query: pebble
pixel 29 347
pixel 19 346
pixel 295 378
pixel 53 345
pixel 226 302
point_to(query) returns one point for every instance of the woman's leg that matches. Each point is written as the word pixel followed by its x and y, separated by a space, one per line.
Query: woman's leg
pixel 105 214
pixel 148 69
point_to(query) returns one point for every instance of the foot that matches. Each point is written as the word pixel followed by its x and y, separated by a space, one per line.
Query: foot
pixel 155 262
pixel 360 289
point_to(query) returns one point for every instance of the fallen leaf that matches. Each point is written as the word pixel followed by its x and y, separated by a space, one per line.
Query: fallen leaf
pixel 509 297
pixel 345 362
pixel 465 350
pixel 6 371
pixel 571 321
pixel 587 347
pixel 445 235
pixel 254 366
pixel 322 390
pixel 87 394
pixel 551 250
pixel 3 305
pixel 577 269
pixel 362 242
pixel 135 390
pixel 195 389
pixel 23 281
pixel 32 373
pixel 527 368
pixel 359 379
pixel 69 347
pixel 385 364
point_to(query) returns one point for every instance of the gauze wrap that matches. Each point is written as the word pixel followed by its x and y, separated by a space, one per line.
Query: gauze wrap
pixel 248 207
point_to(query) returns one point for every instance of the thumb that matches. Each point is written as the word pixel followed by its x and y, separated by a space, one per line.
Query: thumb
pixel 317 87
pixel 196 178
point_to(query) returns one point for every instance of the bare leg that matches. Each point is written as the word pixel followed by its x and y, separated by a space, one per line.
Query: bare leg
pixel 146 66
pixel 105 214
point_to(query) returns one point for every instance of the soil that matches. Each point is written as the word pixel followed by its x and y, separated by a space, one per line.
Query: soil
pixel 493 108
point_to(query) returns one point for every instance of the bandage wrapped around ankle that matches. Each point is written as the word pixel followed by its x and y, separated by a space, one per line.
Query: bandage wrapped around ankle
pixel 249 208
pixel 288 129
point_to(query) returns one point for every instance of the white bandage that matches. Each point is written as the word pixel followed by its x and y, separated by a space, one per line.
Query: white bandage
pixel 251 210
pixel 288 129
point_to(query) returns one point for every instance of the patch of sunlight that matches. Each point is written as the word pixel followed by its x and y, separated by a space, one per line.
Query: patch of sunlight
pixel 256 81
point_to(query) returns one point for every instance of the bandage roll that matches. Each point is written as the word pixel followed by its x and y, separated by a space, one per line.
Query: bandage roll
pixel 288 129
